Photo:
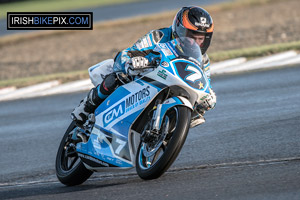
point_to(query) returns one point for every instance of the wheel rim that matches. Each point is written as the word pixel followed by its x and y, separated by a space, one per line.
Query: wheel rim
pixel 69 158
pixel 149 159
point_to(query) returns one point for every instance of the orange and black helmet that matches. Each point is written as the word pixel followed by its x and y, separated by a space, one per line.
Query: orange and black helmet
pixel 194 19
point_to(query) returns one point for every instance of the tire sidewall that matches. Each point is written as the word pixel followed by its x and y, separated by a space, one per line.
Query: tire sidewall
pixel 175 144
pixel 76 175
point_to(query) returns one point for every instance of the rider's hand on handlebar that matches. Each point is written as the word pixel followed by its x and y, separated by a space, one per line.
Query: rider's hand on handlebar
pixel 136 63
pixel 210 101
pixel 139 62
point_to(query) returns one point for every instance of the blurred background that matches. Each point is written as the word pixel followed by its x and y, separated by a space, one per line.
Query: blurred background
pixel 247 149
pixel 269 26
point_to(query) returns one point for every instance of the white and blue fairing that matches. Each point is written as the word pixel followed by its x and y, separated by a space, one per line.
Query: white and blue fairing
pixel 110 141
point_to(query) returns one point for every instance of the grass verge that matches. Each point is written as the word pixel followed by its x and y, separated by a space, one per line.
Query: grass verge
pixel 249 53
pixel 15 38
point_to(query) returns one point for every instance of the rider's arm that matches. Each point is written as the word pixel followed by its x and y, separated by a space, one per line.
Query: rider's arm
pixel 206 66
pixel 143 45
pixel 211 101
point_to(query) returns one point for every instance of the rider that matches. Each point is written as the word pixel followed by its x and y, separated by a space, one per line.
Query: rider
pixel 193 22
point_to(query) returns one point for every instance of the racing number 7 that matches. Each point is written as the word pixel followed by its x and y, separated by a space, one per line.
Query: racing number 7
pixel 121 145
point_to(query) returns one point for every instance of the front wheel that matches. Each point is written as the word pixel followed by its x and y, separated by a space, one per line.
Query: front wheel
pixel 155 157
pixel 69 168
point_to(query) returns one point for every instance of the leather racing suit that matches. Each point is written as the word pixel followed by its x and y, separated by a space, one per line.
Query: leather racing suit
pixel 143 48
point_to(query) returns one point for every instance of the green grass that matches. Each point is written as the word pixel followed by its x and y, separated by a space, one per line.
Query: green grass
pixel 249 53
pixel 54 5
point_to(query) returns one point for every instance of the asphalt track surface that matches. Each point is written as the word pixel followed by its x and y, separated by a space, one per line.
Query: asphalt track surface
pixel 126 10
pixel 247 149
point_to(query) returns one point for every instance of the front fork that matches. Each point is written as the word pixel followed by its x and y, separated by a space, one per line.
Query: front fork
pixel 162 108
pixel 155 121
pixel 157 129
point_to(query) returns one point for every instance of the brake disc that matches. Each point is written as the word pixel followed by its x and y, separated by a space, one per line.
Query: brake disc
pixel 150 150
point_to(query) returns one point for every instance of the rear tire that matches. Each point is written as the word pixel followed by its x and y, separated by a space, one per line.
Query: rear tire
pixel 171 146
pixel 69 168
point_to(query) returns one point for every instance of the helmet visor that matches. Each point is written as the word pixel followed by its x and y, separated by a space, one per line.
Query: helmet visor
pixel 188 47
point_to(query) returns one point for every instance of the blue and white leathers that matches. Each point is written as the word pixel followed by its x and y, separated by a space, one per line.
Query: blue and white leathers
pixel 143 45
pixel 112 141
pixel 149 42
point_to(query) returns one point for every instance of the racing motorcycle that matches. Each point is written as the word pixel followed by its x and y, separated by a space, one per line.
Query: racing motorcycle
pixel 143 123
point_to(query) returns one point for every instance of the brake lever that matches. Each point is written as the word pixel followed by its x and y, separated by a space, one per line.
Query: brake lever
pixel 155 62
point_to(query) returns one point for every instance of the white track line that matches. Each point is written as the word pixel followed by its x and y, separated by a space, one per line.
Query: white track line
pixel 26 90
pixel 227 63
pixel 259 63
pixel 228 66
pixel 99 176
pixel 7 90
pixel 290 61
pixel 76 86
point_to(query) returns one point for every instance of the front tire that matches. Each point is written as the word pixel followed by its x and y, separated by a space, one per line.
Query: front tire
pixel 152 167
pixel 69 168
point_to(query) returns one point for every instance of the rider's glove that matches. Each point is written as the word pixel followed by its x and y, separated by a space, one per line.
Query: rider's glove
pixel 136 64
pixel 139 62
pixel 209 102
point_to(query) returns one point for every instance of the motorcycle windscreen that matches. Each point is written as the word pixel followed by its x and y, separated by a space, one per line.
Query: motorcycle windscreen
pixel 191 74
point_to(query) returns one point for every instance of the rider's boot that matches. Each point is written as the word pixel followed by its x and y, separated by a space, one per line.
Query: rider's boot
pixel 87 106
pixel 197 118
pixel 94 98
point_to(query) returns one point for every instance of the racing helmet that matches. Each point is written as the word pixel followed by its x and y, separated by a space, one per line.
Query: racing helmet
pixel 196 20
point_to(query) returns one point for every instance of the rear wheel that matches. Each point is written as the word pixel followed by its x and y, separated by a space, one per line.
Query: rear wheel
pixel 69 168
pixel 155 156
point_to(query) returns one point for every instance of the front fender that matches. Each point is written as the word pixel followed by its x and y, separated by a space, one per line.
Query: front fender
pixel 169 103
